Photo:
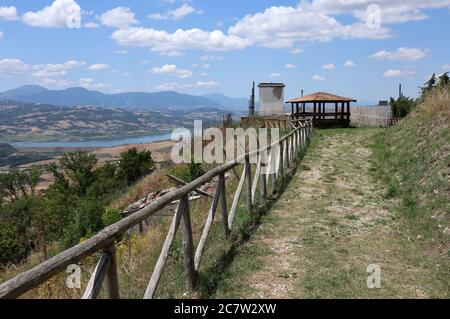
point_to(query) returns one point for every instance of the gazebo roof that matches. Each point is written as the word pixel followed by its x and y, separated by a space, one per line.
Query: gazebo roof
pixel 321 97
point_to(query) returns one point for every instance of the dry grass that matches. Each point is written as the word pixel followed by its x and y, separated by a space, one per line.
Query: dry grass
pixel 151 183
pixel 437 102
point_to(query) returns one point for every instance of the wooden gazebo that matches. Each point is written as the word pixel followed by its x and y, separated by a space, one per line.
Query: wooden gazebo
pixel 315 106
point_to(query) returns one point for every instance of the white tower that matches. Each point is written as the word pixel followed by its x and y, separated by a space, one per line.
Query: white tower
pixel 271 99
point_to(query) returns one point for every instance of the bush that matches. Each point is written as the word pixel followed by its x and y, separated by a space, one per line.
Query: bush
pixel 133 164
pixel 111 216
pixel 15 220
pixel 402 106
pixel 188 172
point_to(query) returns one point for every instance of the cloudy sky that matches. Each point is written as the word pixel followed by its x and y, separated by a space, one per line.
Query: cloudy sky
pixel 357 48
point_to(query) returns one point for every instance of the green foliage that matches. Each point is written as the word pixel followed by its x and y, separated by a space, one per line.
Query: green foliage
pixel 402 106
pixel 443 81
pixel 188 172
pixel 133 164
pixel 77 171
pixel 15 242
pixel 15 184
pixel 111 216
pixel 71 209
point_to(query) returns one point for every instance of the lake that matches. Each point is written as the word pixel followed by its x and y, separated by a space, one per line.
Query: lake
pixel 95 143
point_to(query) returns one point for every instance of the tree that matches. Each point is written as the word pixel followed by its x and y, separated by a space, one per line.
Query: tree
pixel 77 171
pixel 133 164
pixel 429 85
pixel 444 80
pixel 402 106
pixel 16 183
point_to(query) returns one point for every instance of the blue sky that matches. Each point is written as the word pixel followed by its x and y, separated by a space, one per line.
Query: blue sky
pixel 348 47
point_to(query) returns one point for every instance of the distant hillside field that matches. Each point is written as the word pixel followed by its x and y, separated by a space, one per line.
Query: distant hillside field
pixel 30 121
pixel 6 150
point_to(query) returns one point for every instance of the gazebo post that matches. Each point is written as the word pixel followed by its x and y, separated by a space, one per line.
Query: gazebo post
pixel 348 111
pixel 297 111
pixel 314 112
pixel 336 111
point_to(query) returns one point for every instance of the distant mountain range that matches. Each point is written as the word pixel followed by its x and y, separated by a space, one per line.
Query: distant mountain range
pixel 78 96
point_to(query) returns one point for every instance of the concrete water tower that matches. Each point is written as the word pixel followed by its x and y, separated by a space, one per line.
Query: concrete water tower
pixel 271 99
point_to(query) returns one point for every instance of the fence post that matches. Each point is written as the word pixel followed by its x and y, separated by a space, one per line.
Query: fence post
pixel 112 281
pixel 248 173
pixel 223 204
pixel 263 180
pixel 281 159
pixel 188 248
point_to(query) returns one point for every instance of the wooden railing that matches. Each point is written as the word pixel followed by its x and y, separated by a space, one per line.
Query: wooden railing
pixel 283 152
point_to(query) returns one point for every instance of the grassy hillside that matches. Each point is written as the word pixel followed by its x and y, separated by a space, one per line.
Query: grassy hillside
pixel 413 158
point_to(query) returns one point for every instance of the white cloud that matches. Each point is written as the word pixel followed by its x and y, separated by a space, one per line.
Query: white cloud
pixel 90 84
pixel 392 73
pixel 74 63
pixel 204 74
pixel 446 67
pixel 59 83
pixel 160 40
pixel 121 52
pixel 1 34
pixel 8 13
pixel 157 16
pixel 402 54
pixel 276 75
pixel 172 69
pixel 349 64
pixel 296 51
pixel 392 11
pixel 44 72
pixel 211 58
pixel 173 54
pixel 179 86
pixel 12 67
pixel 290 66
pixel 330 66
pixel 318 78
pixel 98 67
pixel 90 25
pixel 61 13
pixel 176 14
pixel 118 18
pixel 283 27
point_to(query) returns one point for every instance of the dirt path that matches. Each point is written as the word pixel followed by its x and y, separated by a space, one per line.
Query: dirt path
pixel 327 228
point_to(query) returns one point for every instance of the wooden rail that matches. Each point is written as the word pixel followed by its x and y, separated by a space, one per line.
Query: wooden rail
pixel 281 152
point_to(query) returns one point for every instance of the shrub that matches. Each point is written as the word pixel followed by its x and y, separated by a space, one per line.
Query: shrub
pixel 402 106
pixel 133 164
pixel 188 172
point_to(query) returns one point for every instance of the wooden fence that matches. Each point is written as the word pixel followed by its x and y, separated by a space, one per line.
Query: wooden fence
pixel 282 152
pixel 371 116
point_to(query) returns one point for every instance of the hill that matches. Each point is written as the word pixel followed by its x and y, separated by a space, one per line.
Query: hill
pixel 6 150
pixel 31 121
pixel 131 100
pixel 229 103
